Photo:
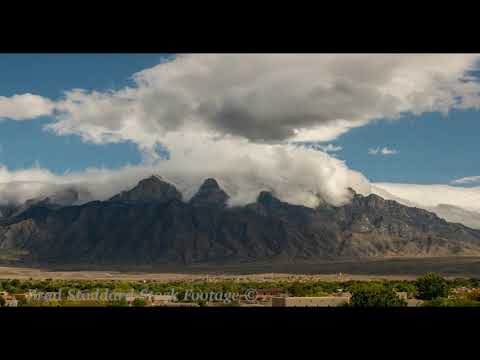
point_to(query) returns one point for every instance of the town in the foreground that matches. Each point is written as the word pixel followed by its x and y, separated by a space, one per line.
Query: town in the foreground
pixel 428 290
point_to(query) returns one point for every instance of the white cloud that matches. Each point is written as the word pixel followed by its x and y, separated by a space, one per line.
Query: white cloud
pixel 269 97
pixel 295 174
pixel 329 148
pixel 433 195
pixel 230 116
pixel 24 107
pixel 467 180
pixel 382 151
pixel 449 212
pixel 387 151
pixel 261 97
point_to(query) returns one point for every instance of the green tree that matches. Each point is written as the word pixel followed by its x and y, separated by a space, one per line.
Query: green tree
pixel 407 287
pixel 431 286
pixel 139 302
pixel 375 295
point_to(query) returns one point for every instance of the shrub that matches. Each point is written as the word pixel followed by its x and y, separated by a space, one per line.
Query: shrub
pixel 375 296
pixel 431 286
pixel 139 302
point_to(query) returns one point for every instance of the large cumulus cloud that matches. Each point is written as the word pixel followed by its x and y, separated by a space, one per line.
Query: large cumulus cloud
pixel 269 97
pixel 237 118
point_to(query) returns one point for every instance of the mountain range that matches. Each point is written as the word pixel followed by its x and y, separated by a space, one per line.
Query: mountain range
pixel 448 212
pixel 152 224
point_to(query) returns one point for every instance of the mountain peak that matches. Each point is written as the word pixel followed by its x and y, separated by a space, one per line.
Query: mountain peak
pixel 210 183
pixel 371 201
pixel 153 179
pixel 267 198
pixel 351 192
pixel 151 189
pixel 210 193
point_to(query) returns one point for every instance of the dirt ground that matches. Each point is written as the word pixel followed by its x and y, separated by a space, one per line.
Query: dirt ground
pixel 368 269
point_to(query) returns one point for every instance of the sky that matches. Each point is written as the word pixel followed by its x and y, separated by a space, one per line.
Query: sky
pixel 358 119
pixel 23 144
pixel 430 149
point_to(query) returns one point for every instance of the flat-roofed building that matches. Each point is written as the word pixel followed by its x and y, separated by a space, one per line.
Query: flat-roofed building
pixel 162 299
pixel 154 300
pixel 10 300
pixel 268 294
pixel 414 302
pixel 318 301
pixel 21 297
pixel 11 303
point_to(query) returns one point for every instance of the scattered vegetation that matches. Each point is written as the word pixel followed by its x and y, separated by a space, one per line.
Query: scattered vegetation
pixel 432 288
pixel 375 295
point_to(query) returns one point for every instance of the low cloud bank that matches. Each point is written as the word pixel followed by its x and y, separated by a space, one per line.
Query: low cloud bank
pixel 294 173
pixel 429 196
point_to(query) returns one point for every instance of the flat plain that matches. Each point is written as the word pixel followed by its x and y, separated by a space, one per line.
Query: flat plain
pixel 338 270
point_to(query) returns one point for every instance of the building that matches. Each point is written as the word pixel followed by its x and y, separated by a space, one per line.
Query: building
pixel 402 295
pixel 410 301
pixel 311 301
pixel 159 300
pixel 268 294
pixel 464 290
pixel 414 302
pixel 152 300
pixel 11 303
pixel 10 300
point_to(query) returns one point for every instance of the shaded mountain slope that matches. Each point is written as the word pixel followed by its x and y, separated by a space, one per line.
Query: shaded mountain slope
pixel 151 224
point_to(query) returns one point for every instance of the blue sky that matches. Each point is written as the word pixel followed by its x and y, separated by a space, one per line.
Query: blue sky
pixel 23 143
pixel 431 148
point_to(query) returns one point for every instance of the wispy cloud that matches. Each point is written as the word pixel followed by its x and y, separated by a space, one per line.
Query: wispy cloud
pixel 467 180
pixel 316 146
pixel 331 148
pixel 382 151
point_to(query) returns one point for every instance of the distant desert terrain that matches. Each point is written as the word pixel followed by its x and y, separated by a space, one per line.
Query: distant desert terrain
pixel 381 268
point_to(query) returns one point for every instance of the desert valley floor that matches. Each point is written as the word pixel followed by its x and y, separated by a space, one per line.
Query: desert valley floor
pixel 386 268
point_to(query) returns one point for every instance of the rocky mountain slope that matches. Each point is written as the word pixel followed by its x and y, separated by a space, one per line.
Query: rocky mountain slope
pixel 64 197
pixel 456 214
pixel 152 224
pixel 448 212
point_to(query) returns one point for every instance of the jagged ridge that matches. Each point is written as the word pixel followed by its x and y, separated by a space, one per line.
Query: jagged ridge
pixel 151 224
